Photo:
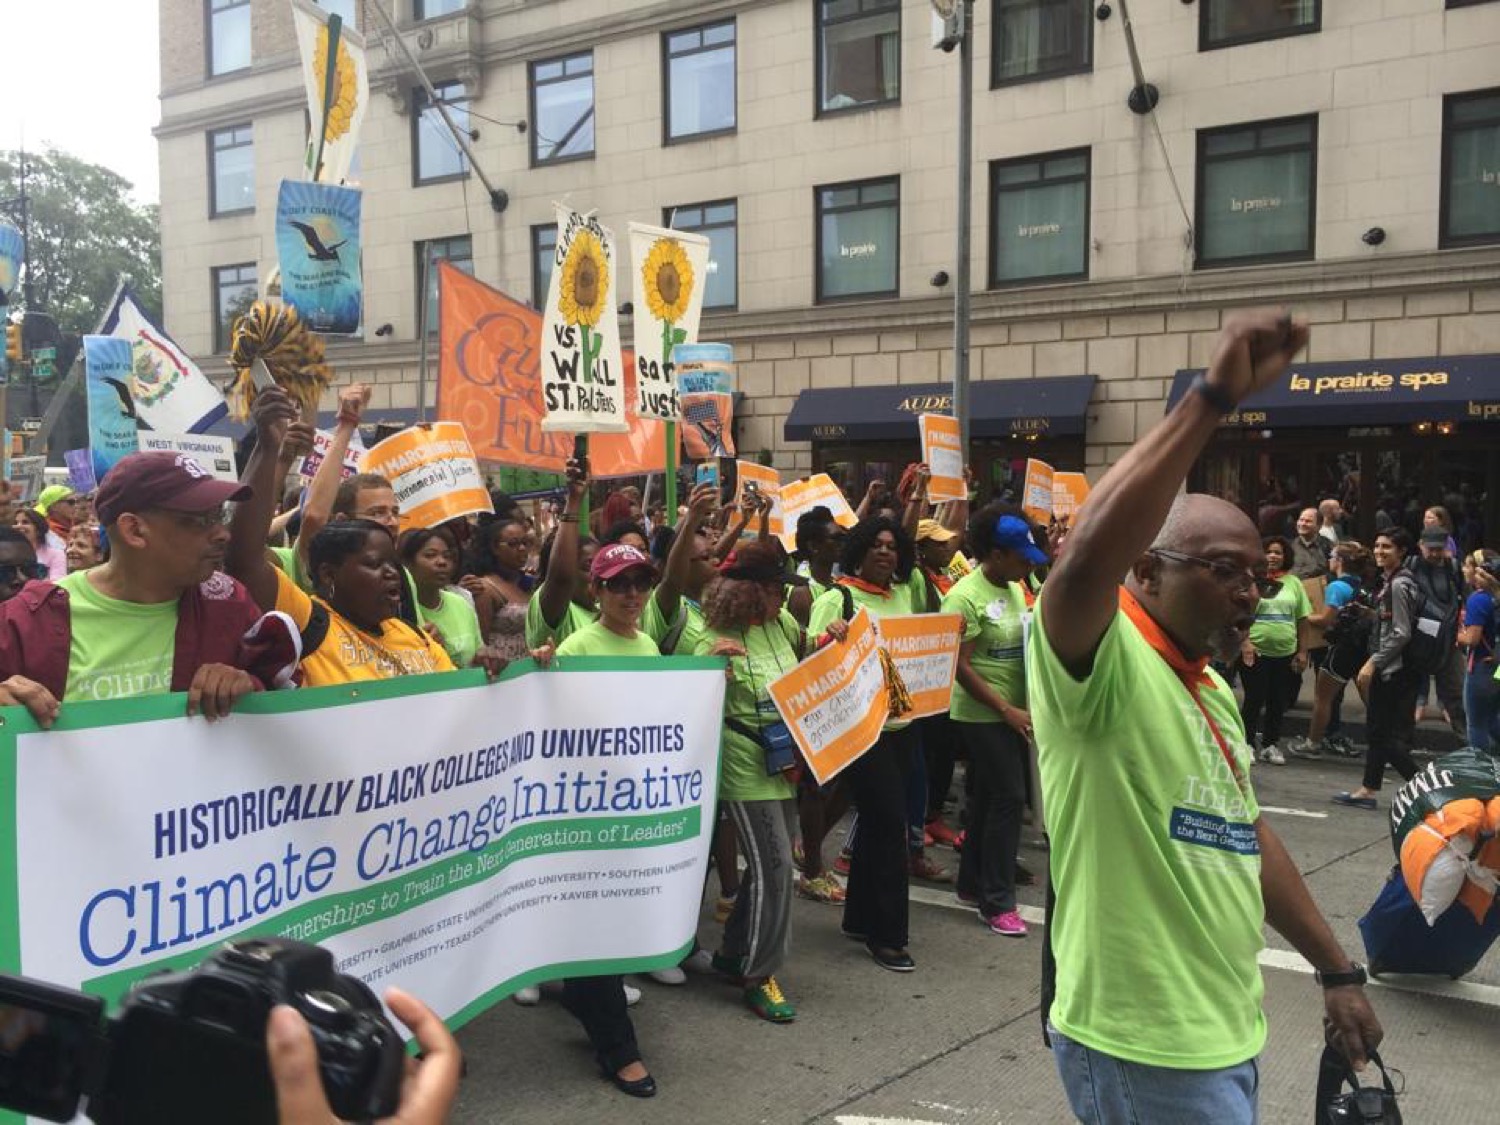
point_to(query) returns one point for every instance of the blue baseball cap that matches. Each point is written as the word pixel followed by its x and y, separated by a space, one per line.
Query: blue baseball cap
pixel 1012 534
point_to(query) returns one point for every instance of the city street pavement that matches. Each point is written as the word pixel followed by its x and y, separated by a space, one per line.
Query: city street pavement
pixel 958 1042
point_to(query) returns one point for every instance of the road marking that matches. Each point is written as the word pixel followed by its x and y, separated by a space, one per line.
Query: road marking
pixel 1031 915
pixel 1294 812
pixel 1472 991
pixel 845 1119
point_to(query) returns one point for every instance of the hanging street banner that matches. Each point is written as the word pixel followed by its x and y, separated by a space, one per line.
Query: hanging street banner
pixel 12 254
pixel 924 648
pixel 168 389
pixel 433 472
pixel 111 409
pixel 943 454
pixel 337 81
pixel 671 272
pixel 489 379
pixel 802 496
pixel 317 246
pixel 1036 492
pixel 583 377
pixel 551 824
pixel 215 452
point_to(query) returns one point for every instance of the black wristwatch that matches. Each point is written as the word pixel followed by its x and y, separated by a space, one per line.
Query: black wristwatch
pixel 1355 974
pixel 1216 396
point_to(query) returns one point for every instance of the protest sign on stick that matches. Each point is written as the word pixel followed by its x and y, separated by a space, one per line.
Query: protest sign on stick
pixel 1069 491
pixel 27 476
pixel 943 453
pixel 802 496
pixel 924 648
pixel 433 472
pixel 215 452
pixel 322 442
pixel 583 377
pixel 669 275
pixel 1036 493
pixel 751 475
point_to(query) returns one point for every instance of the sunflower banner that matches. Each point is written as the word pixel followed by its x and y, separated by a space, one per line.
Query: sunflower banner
pixel 337 80
pixel 583 374
pixel 317 247
pixel 669 278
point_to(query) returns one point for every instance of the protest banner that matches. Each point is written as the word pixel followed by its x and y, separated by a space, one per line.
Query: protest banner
pixel 489 378
pixel 1036 492
pixel 583 378
pixel 111 409
pixel 322 440
pixel 169 390
pixel 433 472
pixel 12 253
pixel 213 451
pixel 835 701
pixel 338 89
pixel 317 247
pixel 767 482
pixel 460 865
pixel 671 271
pixel 80 471
pixel 1069 491
pixel 943 453
pixel 27 476
pixel 924 648
pixel 705 389
pixel 802 496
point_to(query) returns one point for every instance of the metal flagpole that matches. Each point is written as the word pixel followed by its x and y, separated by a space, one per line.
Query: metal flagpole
pixel 965 224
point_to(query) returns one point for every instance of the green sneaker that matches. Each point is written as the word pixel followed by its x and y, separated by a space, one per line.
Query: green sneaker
pixel 731 967
pixel 766 1001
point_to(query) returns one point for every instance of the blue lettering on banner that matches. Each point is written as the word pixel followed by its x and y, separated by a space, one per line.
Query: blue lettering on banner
pixel 1212 831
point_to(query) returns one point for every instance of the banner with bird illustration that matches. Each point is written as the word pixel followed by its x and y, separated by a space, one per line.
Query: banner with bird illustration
pixel 317 245
pixel 338 90
pixel 167 388
pixel 12 253
pixel 112 426
pixel 671 271
pixel 583 375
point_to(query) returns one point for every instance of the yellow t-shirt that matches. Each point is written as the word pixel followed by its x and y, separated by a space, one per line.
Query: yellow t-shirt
pixel 348 653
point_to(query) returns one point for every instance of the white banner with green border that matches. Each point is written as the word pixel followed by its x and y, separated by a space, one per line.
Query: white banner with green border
pixel 454 837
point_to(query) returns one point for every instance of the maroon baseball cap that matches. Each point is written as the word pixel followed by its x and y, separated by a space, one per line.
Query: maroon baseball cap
pixel 617 558
pixel 171 481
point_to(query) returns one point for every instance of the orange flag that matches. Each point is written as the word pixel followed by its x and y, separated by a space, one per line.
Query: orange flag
pixel 488 380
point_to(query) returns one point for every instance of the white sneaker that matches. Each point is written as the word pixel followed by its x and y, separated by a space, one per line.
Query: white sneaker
pixel 672 975
pixel 1272 755
pixel 701 962
pixel 632 996
pixel 528 997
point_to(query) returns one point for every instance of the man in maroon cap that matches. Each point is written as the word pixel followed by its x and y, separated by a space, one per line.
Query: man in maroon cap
pixel 158 617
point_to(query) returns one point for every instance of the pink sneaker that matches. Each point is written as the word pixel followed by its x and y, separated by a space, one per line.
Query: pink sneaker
pixel 1007 924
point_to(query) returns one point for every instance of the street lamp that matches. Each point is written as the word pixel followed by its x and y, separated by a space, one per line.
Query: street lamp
pixel 957 30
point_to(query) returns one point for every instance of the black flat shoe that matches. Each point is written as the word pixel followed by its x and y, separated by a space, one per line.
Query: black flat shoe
pixel 640 1088
pixel 896 960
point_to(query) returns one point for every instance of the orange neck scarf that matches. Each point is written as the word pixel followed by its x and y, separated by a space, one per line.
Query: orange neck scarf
pixel 1193 673
pixel 867 587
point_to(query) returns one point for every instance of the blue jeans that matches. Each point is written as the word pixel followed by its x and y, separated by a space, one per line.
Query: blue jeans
pixel 1482 707
pixel 1104 1090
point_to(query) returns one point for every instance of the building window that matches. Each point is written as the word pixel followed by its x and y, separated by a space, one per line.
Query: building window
pixel 859 53
pixel 228 36
pixel 435 154
pixel 1036 39
pixel 457 252
pixel 562 109
pixel 346 10
pixel 1039 218
pixel 859 239
pixel 234 293
pixel 1467 3
pixel 1470 206
pixel 700 76
pixel 1257 192
pixel 543 258
pixel 431 9
pixel 721 223
pixel 1228 23
pixel 231 166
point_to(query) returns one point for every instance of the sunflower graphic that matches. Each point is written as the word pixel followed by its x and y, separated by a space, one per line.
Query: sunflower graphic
pixel 669 280
pixel 585 281
pixel 341 109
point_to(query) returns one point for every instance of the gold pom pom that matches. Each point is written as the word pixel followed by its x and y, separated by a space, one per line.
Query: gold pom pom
pixel 275 334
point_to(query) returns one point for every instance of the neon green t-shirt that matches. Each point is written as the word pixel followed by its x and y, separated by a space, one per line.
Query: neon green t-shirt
pixel 904 598
pixel 770 652
pixel 291 565
pixel 457 625
pixel 1275 630
pixel 594 639
pixel 657 627
pixel 1154 857
pixel 994 618
pixel 538 631
pixel 119 649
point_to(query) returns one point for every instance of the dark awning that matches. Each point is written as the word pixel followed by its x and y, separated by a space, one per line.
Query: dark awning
pixel 1372 393
pixel 997 408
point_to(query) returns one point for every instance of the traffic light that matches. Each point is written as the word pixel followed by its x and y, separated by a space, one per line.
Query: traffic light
pixel 13 351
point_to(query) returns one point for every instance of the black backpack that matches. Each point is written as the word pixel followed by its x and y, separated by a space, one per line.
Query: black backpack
pixel 1434 626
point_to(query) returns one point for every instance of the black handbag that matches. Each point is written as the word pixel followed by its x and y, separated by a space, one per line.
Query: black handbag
pixel 1359 1105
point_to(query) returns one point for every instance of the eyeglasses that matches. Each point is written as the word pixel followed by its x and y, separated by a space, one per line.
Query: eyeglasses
pixel 1227 574
pixel 379 514
pixel 201 521
pixel 9 572
pixel 629 584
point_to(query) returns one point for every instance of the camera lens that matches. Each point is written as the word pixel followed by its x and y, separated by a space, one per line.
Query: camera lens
pixel 253 949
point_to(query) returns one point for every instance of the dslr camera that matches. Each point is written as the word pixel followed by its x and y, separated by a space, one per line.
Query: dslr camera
pixel 191 1046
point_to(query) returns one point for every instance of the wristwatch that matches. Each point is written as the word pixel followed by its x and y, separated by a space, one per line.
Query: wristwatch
pixel 1217 396
pixel 1355 974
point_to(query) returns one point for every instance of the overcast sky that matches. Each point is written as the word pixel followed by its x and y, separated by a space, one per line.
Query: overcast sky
pixel 82 76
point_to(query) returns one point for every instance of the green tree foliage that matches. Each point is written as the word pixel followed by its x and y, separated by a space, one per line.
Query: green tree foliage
pixel 86 231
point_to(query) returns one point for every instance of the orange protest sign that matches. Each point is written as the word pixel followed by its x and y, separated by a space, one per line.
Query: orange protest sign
pixel 924 648
pixel 943 453
pixel 803 496
pixel 1036 495
pixel 489 380
pixel 835 701
pixel 433 472
pixel 767 482
pixel 1069 491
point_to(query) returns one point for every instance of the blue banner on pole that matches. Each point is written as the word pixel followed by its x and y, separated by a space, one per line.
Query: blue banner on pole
pixel 112 415
pixel 317 245
pixel 12 253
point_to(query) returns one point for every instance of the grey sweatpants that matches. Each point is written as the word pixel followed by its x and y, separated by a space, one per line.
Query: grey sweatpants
pixel 760 926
